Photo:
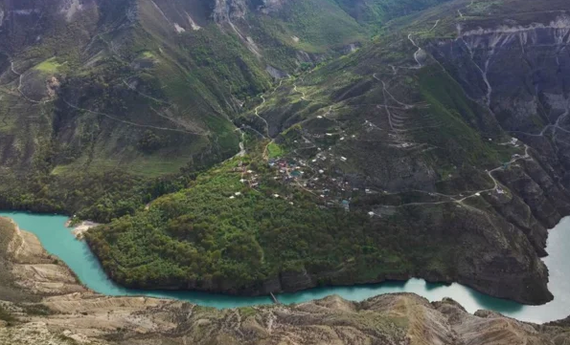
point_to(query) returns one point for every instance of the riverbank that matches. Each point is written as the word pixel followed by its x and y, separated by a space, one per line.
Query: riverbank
pixel 58 240
pixel 80 229
pixel 75 314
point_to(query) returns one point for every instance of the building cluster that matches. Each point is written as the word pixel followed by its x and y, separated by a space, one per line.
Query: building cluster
pixel 314 178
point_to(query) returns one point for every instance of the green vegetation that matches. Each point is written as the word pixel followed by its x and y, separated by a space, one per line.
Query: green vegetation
pixel 143 113
pixel 377 12
pixel 90 195
pixel 145 104
pixel 300 24
pixel 483 7
pixel 274 150
pixel 456 114
pixel 148 55
pixel 122 125
pixel 221 235
pixel 49 66
pixel 247 311
pixel 150 142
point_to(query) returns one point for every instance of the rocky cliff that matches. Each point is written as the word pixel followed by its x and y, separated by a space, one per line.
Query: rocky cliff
pixel 518 70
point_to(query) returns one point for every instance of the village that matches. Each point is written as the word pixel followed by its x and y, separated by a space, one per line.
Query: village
pixel 317 175
pixel 313 176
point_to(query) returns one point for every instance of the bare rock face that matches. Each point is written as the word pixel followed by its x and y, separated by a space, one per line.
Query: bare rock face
pixel 73 8
pixel 272 5
pixel 31 267
pixel 227 10
pixel 518 71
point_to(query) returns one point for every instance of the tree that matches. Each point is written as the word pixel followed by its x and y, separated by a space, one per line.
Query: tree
pixel 149 142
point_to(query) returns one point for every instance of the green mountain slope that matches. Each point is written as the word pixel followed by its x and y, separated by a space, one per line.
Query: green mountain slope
pixel 414 135
pixel 436 150
pixel 98 91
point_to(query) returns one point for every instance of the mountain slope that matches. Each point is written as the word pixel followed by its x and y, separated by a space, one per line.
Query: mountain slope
pixel 107 105
pixel 423 119
pixel 412 135
pixel 98 91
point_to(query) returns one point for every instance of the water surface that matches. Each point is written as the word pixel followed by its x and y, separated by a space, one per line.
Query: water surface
pixel 58 240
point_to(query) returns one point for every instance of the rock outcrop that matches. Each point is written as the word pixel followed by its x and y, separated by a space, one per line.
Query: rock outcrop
pixel 519 72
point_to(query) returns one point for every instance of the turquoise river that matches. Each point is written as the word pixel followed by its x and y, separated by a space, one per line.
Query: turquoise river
pixel 58 240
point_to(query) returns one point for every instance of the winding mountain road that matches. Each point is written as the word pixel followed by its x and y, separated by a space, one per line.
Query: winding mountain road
pixel 19 88
pixel 256 112
pixel 303 95
pixel 460 199
pixel 416 54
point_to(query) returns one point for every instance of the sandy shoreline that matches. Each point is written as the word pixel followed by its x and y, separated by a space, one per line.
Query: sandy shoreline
pixel 80 229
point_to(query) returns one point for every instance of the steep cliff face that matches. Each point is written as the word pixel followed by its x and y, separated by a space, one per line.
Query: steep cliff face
pixel 226 10
pixel 521 73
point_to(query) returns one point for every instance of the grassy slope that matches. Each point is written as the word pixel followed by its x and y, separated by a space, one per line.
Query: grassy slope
pixel 301 25
pixel 192 81
pixel 185 88
pixel 377 12
pixel 316 33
